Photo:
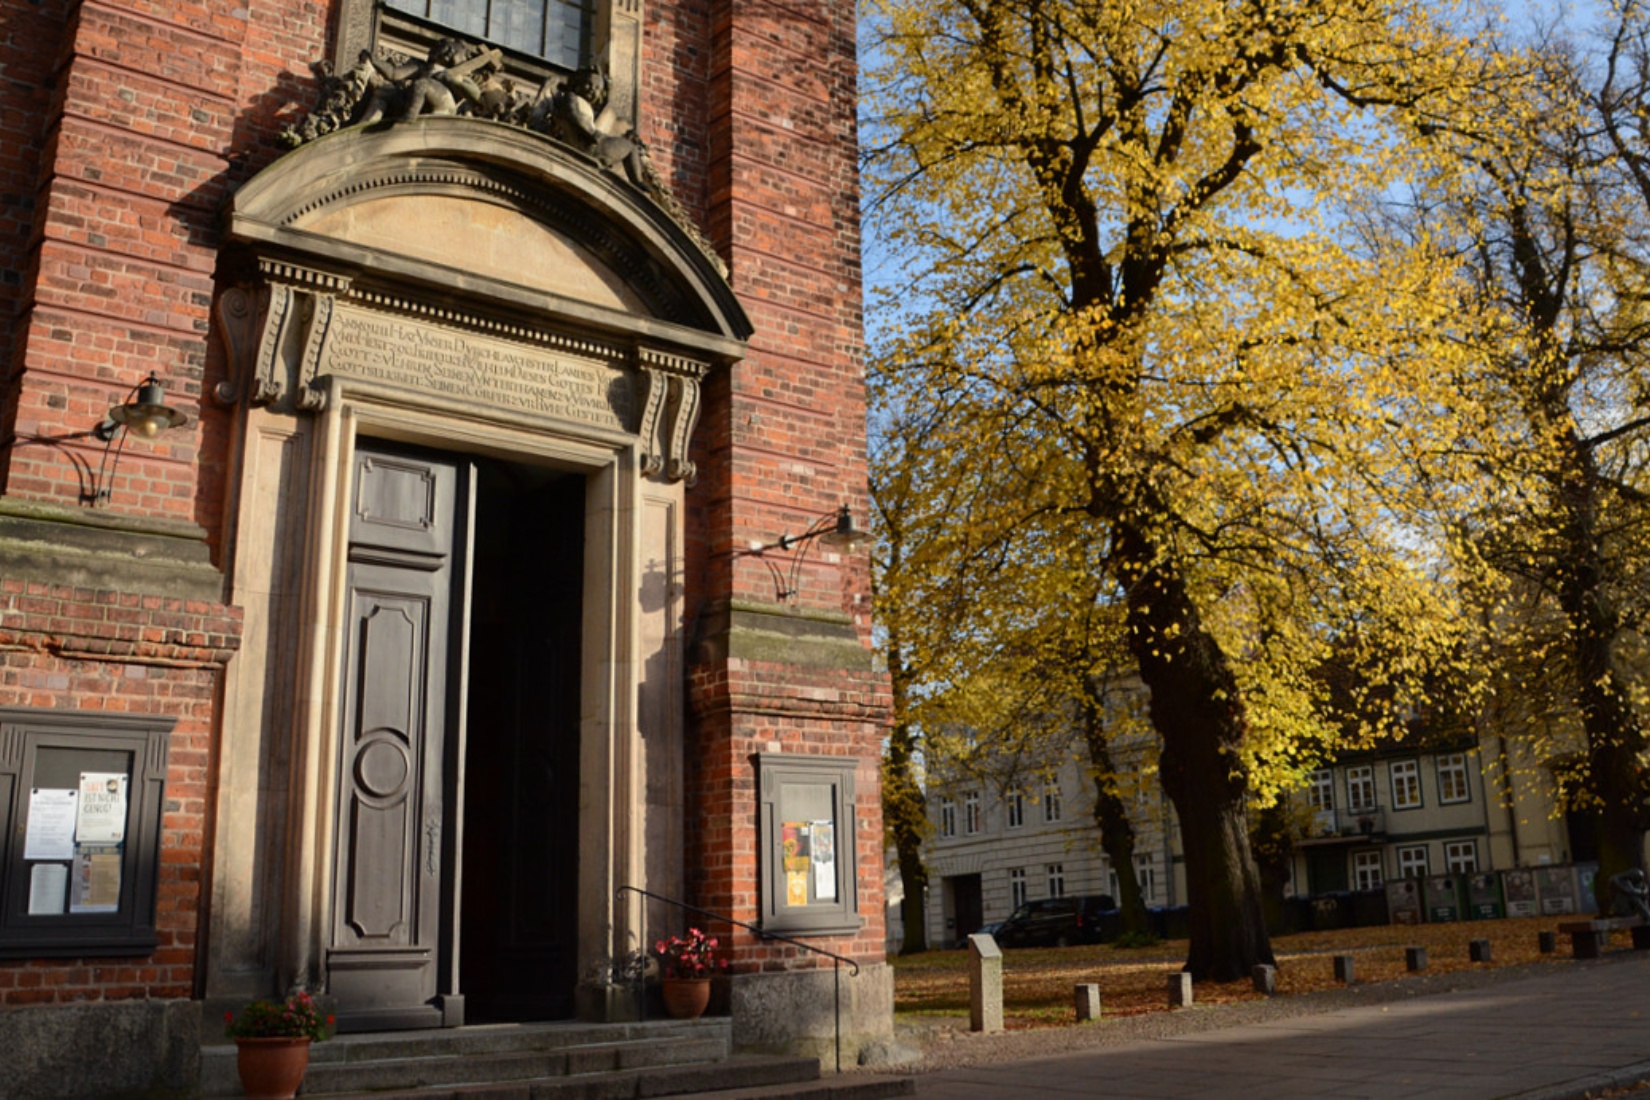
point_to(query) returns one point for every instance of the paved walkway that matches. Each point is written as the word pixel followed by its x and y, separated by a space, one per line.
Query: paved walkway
pixel 1551 1036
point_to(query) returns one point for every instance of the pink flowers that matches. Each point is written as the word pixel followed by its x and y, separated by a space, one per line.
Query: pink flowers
pixel 690 956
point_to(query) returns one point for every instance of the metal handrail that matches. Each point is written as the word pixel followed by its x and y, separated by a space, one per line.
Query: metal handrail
pixel 836 965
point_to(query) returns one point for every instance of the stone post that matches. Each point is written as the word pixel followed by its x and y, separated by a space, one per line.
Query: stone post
pixel 1180 990
pixel 1415 958
pixel 985 983
pixel 1266 979
pixel 1546 942
pixel 1087 996
pixel 1345 972
pixel 1479 951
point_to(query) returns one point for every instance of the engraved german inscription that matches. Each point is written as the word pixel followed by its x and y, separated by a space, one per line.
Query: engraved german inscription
pixel 477 368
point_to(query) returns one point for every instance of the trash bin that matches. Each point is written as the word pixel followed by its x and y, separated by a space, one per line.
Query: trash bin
pixel 1484 900
pixel 1443 898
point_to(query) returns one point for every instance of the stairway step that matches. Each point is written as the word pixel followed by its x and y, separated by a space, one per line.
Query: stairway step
pixel 465 1069
pixel 759 1075
pixel 851 1087
pixel 487 1054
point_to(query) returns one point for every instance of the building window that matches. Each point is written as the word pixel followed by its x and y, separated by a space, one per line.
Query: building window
pixel 1146 875
pixel 1017 887
pixel 1056 880
pixel 1360 789
pixel 556 30
pixel 1412 861
pixel 1406 784
pixel 1452 778
pixel 948 817
pixel 81 797
pixel 1051 803
pixel 806 833
pixel 971 812
pixel 1320 791
pixel 1016 804
pixel 1366 870
pixel 1461 856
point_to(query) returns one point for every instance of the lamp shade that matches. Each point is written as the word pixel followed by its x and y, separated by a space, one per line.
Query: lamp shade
pixel 147 413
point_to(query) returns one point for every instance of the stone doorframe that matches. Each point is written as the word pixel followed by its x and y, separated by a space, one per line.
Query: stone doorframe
pixel 588 361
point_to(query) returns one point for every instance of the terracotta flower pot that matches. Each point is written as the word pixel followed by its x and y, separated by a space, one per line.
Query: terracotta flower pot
pixel 686 998
pixel 272 1069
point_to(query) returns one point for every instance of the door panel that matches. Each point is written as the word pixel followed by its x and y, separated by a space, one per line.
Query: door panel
pixel 386 936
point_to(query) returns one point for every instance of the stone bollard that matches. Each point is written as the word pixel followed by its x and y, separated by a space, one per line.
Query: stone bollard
pixel 1266 979
pixel 1345 972
pixel 1180 990
pixel 985 983
pixel 1087 996
pixel 1479 951
pixel 1546 942
pixel 1415 958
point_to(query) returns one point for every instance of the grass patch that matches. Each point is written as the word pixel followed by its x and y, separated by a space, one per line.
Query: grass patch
pixel 1038 982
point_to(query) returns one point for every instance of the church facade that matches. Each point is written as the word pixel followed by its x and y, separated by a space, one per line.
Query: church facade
pixel 429 443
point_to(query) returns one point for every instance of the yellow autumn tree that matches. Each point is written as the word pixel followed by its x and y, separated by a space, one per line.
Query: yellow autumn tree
pixel 1131 299
pixel 1547 222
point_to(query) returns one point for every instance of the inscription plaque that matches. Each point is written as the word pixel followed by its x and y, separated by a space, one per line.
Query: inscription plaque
pixel 478 368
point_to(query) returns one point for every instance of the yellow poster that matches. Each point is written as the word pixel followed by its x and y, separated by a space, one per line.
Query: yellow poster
pixel 796 887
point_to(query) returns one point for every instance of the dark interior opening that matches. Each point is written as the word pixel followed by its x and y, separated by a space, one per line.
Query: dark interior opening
pixel 519 904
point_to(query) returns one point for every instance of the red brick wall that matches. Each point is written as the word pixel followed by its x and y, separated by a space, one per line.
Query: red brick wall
pixel 123 653
pixel 782 441
pixel 159 108
pixel 122 125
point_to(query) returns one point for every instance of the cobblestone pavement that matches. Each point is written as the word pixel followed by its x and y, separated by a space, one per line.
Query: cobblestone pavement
pixel 1542 1033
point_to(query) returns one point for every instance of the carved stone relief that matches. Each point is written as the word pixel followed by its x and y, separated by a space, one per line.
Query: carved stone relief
pixel 459 77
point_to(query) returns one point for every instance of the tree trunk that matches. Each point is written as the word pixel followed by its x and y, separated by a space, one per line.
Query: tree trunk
pixel 1197 709
pixel 1112 818
pixel 904 813
pixel 1616 739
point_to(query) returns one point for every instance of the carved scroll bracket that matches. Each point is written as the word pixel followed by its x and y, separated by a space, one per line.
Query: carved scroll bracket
pixel 275 335
pixel 670 413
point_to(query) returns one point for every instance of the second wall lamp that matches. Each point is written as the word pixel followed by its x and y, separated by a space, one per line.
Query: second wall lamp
pixel 834 528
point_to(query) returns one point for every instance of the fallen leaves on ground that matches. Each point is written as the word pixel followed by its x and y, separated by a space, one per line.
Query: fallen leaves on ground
pixel 1038 983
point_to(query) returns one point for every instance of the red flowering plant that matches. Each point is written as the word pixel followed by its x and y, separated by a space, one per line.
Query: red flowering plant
pixel 689 956
pixel 295 1018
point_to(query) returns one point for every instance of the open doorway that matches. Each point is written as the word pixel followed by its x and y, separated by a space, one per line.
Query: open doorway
pixel 520 859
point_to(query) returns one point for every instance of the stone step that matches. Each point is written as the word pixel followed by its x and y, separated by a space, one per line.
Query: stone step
pixel 851 1087
pixel 751 1075
pixel 485 1054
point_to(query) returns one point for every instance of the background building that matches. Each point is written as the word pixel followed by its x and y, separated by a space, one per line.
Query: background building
pixel 429 627
pixel 1417 808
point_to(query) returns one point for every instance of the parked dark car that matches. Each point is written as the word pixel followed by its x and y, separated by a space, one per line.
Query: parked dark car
pixel 1059 922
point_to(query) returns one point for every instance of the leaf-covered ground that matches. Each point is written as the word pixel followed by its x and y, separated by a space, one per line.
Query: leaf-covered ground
pixel 1038 983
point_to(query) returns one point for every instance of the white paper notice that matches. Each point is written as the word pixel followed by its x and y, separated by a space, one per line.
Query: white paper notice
pixel 102 818
pixel 51 825
pixel 824 835
pixel 48 888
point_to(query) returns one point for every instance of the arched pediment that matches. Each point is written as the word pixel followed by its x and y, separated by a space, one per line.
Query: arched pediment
pixel 500 217
pixel 481 268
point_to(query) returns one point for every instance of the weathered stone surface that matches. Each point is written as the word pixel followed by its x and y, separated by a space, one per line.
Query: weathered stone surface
pixel 147 1048
pixel 795 1013
pixel 1087 998
pixel 889 1053
pixel 985 983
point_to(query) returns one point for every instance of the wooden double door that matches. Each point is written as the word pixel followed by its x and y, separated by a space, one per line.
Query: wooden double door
pixel 455 850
